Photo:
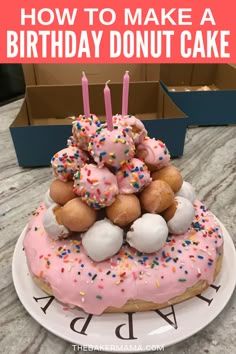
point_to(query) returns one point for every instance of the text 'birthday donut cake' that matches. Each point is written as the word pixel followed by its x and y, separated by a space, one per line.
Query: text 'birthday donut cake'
pixel 119 229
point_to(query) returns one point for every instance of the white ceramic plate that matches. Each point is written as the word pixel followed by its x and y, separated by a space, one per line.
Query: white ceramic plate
pixel 124 332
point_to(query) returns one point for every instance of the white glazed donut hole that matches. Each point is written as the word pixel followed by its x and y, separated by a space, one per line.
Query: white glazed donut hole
pixel 48 201
pixel 187 191
pixel 148 234
pixel 182 218
pixel 54 230
pixel 103 240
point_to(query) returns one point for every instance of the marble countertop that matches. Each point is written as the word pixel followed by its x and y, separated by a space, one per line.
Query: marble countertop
pixel 209 163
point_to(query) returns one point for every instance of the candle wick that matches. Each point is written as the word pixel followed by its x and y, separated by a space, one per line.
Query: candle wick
pixel 83 73
pixel 107 82
pixel 127 71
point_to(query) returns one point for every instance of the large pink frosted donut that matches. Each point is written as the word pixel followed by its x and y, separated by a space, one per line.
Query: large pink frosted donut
pixel 76 280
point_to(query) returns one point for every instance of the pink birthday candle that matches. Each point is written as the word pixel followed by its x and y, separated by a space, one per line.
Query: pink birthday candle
pixel 85 93
pixel 107 98
pixel 125 94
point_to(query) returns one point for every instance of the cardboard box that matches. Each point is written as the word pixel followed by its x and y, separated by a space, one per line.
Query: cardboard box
pixel 41 129
pixel 68 74
pixel 185 83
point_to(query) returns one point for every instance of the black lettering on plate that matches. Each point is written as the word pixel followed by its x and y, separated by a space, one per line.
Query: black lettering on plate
pixel 209 301
pixel 130 328
pixel 51 298
pixel 166 317
pixel 215 287
pixel 85 326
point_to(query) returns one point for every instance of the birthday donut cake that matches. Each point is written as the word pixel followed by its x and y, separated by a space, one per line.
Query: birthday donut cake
pixel 119 229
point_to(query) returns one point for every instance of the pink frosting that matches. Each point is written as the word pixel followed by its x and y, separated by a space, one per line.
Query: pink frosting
pixel 137 127
pixel 114 148
pixel 157 153
pixel 83 128
pixel 76 280
pixel 96 186
pixel 133 176
pixel 67 161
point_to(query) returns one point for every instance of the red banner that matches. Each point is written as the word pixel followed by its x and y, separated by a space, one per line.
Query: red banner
pixel 118 31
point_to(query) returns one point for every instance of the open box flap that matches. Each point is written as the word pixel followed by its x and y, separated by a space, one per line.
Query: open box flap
pixel 147 100
pixel 64 74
